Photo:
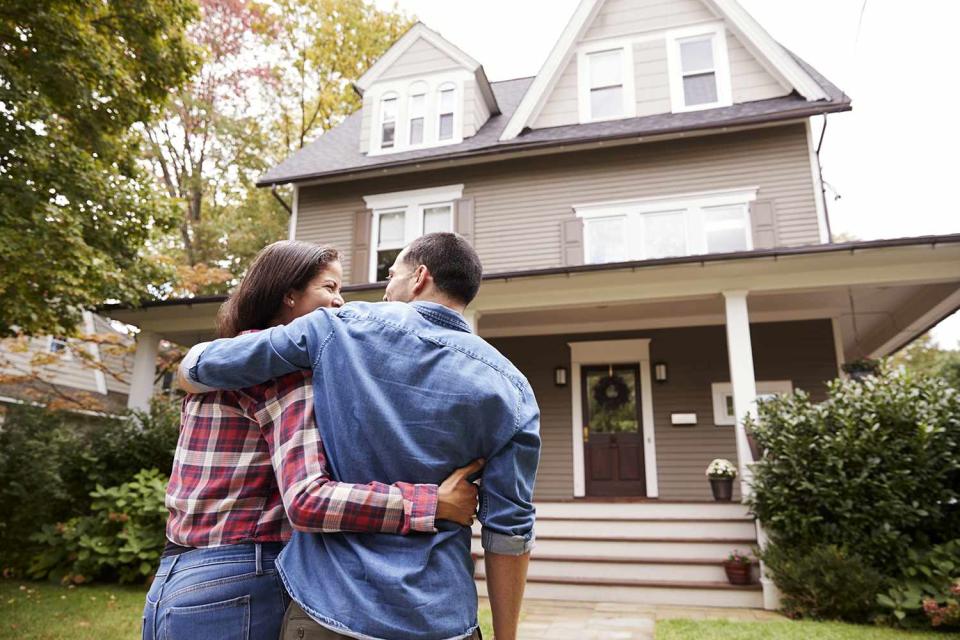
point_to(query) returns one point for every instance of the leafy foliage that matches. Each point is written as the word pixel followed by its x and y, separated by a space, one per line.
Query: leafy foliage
pixel 75 210
pixel 929 592
pixel 924 357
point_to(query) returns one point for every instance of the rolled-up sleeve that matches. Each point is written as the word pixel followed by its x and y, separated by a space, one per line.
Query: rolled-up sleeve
pixel 506 510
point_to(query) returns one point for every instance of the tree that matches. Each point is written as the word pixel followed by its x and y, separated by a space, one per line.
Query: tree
pixel 923 356
pixel 75 210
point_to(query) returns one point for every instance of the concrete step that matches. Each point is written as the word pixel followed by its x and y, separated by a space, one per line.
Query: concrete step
pixel 705 594
pixel 669 548
pixel 642 510
pixel 733 529
pixel 652 569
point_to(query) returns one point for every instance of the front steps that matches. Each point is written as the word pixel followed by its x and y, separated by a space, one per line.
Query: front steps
pixel 643 553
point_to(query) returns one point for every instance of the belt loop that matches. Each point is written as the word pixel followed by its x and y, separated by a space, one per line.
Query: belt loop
pixel 259 554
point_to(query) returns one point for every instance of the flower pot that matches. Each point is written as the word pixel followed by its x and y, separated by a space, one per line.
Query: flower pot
pixel 737 572
pixel 722 489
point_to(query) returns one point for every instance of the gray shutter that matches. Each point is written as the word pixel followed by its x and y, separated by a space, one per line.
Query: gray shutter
pixel 360 256
pixel 571 240
pixel 764 224
pixel 463 218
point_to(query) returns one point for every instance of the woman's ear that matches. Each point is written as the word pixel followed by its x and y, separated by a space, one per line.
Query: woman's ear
pixel 290 298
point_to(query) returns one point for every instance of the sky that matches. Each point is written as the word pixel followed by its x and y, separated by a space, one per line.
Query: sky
pixel 891 164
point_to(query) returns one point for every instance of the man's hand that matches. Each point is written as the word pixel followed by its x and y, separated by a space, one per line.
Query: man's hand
pixel 457 497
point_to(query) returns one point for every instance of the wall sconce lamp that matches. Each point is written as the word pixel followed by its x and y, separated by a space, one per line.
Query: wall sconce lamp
pixel 660 372
pixel 560 376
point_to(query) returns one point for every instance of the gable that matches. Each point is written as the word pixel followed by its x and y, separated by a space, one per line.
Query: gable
pixel 421 58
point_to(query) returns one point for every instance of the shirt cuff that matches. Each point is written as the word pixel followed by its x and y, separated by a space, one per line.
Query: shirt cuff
pixel 506 545
pixel 189 366
pixel 423 506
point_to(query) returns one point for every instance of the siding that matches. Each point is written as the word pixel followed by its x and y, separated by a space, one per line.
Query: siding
pixel 633 18
pixel 420 59
pixel 521 204
pixel 696 357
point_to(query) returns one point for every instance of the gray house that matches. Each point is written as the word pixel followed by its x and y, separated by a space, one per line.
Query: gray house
pixel 650 214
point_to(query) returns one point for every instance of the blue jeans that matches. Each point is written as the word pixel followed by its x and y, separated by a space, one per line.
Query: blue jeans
pixel 229 593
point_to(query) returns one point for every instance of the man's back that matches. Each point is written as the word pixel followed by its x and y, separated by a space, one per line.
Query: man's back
pixel 406 392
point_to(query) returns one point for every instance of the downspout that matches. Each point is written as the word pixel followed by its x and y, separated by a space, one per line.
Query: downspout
pixel 823 188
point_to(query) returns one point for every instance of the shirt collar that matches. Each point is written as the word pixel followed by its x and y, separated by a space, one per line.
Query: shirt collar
pixel 441 315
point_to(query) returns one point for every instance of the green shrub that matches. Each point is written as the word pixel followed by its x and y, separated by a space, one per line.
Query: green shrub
pixel 825 582
pixel 121 538
pixel 929 593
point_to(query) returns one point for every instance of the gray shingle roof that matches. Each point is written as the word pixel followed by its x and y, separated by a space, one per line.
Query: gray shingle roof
pixel 337 152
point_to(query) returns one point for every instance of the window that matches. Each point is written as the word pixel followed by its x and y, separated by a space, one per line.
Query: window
pixel 388 122
pixel 662 228
pixel 437 218
pixel 417 112
pixel 699 71
pixel 606 84
pixel 446 112
pixel 59 347
pixel 391 232
pixel 723 412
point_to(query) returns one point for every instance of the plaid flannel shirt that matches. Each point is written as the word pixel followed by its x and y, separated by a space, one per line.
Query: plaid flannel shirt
pixel 250 463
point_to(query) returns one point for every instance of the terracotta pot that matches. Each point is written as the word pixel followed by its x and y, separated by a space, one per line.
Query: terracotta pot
pixel 722 489
pixel 737 572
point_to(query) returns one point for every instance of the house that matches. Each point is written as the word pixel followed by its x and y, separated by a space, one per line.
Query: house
pixel 650 213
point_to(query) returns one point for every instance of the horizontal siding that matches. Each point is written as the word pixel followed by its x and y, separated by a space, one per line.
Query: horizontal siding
pixel 420 59
pixel 521 205
pixel 749 81
pixel 696 357
pixel 561 107
pixel 64 372
pixel 620 18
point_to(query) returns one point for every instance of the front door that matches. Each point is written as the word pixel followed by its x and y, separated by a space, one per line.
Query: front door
pixel 612 433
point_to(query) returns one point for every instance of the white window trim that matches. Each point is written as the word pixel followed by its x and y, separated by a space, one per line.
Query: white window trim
pixel 412 203
pixel 389 95
pixel 583 78
pixel 457 113
pixel 720 60
pixel 692 204
pixel 417 88
pixel 720 391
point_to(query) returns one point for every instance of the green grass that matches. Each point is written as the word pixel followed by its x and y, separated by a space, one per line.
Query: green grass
pixel 42 611
pixel 786 630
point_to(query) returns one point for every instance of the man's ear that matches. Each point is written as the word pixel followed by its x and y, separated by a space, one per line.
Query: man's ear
pixel 421 277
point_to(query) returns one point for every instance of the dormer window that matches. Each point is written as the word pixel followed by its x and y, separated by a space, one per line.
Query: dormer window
pixel 388 121
pixel 699 70
pixel 445 112
pixel 605 81
pixel 417 113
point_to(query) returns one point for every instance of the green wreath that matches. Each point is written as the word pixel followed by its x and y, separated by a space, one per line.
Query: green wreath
pixel 611 392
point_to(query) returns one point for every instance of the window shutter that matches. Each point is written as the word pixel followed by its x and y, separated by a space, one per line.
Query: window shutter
pixel 463 218
pixel 571 248
pixel 360 256
pixel 764 224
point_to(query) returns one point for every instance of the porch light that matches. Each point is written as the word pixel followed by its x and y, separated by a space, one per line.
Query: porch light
pixel 660 371
pixel 560 376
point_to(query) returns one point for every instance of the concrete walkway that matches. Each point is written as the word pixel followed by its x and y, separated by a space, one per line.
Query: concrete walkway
pixel 555 620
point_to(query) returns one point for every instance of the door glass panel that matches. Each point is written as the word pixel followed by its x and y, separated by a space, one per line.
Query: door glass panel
pixel 611 399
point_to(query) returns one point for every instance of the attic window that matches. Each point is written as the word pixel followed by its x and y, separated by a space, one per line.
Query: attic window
pixel 606 84
pixel 388 122
pixel 417 110
pixel 699 70
pixel 445 112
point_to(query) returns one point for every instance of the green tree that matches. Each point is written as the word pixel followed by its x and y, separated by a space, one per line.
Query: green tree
pixel 923 356
pixel 76 76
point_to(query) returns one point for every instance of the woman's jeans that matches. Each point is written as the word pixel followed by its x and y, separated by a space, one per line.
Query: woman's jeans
pixel 228 593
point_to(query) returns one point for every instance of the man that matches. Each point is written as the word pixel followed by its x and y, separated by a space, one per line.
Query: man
pixel 403 391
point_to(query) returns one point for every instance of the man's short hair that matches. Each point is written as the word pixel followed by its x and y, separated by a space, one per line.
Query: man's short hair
pixel 453 263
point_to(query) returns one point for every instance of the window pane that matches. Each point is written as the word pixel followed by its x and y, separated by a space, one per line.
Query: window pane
pixel 416 131
pixel 385 260
pixel 446 126
pixel 417 104
pixel 389 109
pixel 391 229
pixel 725 229
pixel 446 101
pixel 388 134
pixel 436 219
pixel 611 398
pixel 605 68
pixel 696 55
pixel 606 103
pixel 606 240
pixel 664 235
pixel 700 89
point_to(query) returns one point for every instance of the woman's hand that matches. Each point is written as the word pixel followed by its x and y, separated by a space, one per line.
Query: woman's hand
pixel 457 497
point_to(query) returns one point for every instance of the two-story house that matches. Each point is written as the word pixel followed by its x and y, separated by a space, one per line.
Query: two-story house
pixel 651 219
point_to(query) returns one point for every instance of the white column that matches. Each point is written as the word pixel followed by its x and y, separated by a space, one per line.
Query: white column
pixel 473 319
pixel 742 380
pixel 144 371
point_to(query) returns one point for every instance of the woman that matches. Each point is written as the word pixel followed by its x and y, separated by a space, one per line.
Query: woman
pixel 249 465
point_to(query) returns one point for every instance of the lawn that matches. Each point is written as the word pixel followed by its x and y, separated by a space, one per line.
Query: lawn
pixel 786 630
pixel 42 611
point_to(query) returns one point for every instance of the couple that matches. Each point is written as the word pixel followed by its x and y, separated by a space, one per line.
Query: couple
pixel 400 392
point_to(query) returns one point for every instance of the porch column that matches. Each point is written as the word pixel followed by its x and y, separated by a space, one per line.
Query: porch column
pixel 144 371
pixel 742 379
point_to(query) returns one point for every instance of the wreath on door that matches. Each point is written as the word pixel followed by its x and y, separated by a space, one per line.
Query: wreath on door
pixel 611 392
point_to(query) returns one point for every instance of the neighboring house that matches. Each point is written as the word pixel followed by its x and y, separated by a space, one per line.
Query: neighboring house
pixel 69 373
pixel 650 214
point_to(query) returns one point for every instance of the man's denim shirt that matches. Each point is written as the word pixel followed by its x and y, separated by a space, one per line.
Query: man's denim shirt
pixel 402 393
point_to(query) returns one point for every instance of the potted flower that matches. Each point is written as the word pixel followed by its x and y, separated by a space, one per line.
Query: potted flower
pixel 737 567
pixel 721 473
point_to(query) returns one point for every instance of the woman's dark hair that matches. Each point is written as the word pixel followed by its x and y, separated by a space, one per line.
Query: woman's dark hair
pixel 284 266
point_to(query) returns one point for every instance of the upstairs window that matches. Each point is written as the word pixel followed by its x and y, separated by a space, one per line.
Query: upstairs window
pixel 388 122
pixel 699 70
pixel 445 112
pixel 606 84
pixel 417 114
pixel 391 238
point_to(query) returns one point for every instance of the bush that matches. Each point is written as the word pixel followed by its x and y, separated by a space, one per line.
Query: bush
pixel 824 582
pixel 929 594
pixel 121 539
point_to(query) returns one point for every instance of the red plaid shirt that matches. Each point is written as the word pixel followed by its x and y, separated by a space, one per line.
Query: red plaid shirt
pixel 250 463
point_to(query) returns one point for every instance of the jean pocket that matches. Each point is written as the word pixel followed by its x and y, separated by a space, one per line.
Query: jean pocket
pixel 226 620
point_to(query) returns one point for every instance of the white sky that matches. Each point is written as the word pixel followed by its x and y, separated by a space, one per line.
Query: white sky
pixel 893 160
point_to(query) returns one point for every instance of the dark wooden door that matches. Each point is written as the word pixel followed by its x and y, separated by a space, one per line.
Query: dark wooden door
pixel 612 433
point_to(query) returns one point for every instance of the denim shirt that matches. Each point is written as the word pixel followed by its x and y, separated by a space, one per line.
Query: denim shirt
pixel 402 393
